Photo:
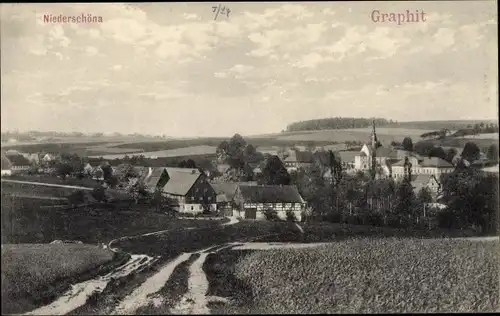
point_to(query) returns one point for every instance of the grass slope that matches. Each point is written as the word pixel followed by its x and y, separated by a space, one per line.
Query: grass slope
pixel 364 276
pixel 25 221
pixel 33 274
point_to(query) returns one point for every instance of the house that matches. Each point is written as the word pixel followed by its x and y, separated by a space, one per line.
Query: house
pixel 6 166
pixel 298 159
pixel 48 157
pixel 490 170
pixel 87 169
pixel 430 166
pixel 33 158
pixel 189 187
pixel 19 164
pixel 428 181
pixel 362 161
pixel 225 192
pixel 222 168
pixel 97 173
pixel 253 200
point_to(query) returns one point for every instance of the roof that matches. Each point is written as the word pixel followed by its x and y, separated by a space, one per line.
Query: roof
pixel 492 169
pixel 19 160
pixel 380 152
pixel 348 156
pixel 435 162
pixel 300 156
pixel 6 164
pixel 180 180
pixel 151 181
pixel 12 152
pixel 270 194
pixel 223 168
pixel 226 189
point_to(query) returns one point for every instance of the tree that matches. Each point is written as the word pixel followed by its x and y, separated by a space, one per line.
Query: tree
pixel 405 199
pixel 190 163
pixel 450 154
pixel 274 173
pixel 107 172
pixel 471 152
pixel 99 194
pixel 407 144
pixel 423 148
pixel 438 152
pixel 63 170
pixel 472 199
pixel 492 153
pixel 138 191
pixel 76 198
pixel 112 181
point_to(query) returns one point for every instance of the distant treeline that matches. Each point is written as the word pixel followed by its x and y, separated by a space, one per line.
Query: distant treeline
pixel 439 125
pixel 336 123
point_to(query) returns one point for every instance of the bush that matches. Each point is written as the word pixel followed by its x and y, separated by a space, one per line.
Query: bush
pixel 271 215
pixel 290 216
pixel 99 194
pixel 333 217
pixel 76 198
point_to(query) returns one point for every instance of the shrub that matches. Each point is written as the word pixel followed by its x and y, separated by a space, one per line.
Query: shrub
pixel 290 216
pixel 271 215
pixel 76 198
pixel 99 194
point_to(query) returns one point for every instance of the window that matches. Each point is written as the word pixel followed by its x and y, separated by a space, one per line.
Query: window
pixel 209 198
pixel 201 198
pixel 191 208
pixel 205 190
pixel 196 190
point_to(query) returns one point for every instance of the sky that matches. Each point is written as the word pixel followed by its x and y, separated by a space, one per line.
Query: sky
pixel 173 69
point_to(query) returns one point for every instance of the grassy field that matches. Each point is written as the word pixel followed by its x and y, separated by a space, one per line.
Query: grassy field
pixel 25 220
pixel 32 273
pixel 359 276
pixel 460 142
pixel 184 151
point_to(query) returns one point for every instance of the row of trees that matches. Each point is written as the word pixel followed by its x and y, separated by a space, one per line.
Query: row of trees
pixel 336 123
pixel 471 197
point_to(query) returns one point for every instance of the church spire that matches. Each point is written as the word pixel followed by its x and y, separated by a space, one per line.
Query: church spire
pixel 374 136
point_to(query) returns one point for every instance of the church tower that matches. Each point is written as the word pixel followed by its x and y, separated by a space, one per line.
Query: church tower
pixel 374 141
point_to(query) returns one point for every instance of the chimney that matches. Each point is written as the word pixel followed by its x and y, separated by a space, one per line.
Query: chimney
pixel 193 171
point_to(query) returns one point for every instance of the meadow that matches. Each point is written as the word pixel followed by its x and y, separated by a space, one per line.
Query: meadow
pixel 32 273
pixel 26 220
pixel 359 276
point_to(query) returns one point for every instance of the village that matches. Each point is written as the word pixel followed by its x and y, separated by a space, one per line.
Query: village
pixel 241 182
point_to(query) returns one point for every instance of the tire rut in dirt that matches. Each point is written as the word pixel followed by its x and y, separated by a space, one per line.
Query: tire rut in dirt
pixel 173 291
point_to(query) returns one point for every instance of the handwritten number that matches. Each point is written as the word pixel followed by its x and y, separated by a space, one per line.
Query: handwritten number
pixel 217 10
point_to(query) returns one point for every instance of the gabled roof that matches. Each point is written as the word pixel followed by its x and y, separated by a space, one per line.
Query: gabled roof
pixel 435 162
pixel 6 164
pixel 12 152
pixel 180 180
pixel 19 160
pixel 223 168
pixel 151 181
pixel 226 189
pixel 300 156
pixel 270 194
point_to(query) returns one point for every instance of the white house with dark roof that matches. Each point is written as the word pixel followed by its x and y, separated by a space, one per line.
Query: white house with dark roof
pixel 298 159
pixel 429 166
pixel 252 201
pixel 6 166
pixel 189 187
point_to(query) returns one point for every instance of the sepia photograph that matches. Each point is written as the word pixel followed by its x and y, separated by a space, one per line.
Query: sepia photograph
pixel 249 158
